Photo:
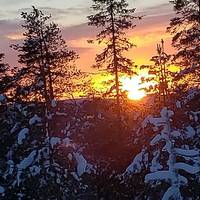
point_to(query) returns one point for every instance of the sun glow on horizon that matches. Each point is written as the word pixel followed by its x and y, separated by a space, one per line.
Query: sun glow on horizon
pixel 133 87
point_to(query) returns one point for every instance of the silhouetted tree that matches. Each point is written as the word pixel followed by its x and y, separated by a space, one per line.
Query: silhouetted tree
pixel 6 80
pixel 159 74
pixel 49 65
pixel 3 69
pixel 185 28
pixel 114 18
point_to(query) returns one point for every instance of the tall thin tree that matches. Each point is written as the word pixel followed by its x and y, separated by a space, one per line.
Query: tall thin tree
pixel 114 18
pixel 159 74
pixel 161 61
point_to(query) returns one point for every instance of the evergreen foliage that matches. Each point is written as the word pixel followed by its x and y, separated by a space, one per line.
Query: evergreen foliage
pixel 114 18
pixel 185 29
pixel 49 65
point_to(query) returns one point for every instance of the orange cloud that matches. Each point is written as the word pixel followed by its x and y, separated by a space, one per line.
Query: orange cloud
pixel 15 36
pixel 148 39
pixel 145 42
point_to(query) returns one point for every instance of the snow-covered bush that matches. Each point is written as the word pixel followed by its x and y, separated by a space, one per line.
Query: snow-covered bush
pixel 170 162
pixel 35 164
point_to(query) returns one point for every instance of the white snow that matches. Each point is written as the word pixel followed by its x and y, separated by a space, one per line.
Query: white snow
pixel 67 142
pixel 172 193
pixel 35 170
pixel 152 120
pixel 164 175
pixel 158 121
pixel 10 166
pixel 55 141
pixel 167 147
pixel 195 115
pixel 188 168
pixel 165 113
pixel 35 119
pixel 175 134
pixel 155 165
pixel 28 160
pixel 2 98
pixel 75 176
pixel 192 94
pixel 178 104
pixel 145 122
pixel 190 132
pixel 25 164
pixel 22 135
pixel 43 152
pixel 187 152
pixel 53 103
pixel 138 162
pixel 81 164
pixel 67 129
pixel 158 138
pixel 159 175
pixel 2 190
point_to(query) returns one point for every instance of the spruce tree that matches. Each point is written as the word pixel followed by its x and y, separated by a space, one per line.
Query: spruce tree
pixel 6 78
pixel 113 17
pixel 49 65
pixel 185 28
pixel 3 69
pixel 159 74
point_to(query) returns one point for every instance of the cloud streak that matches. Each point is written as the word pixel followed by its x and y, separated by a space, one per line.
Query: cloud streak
pixel 146 34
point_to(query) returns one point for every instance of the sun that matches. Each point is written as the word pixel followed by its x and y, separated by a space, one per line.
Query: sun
pixel 133 87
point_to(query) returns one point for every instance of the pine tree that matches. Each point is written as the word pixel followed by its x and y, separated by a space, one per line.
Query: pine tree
pixel 3 69
pixel 6 76
pixel 114 18
pixel 185 28
pixel 159 74
pixel 49 65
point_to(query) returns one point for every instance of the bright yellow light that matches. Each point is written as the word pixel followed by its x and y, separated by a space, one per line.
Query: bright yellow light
pixel 174 68
pixel 132 86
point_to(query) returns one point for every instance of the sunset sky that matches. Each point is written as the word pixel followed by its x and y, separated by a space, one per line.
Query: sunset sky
pixel 72 18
